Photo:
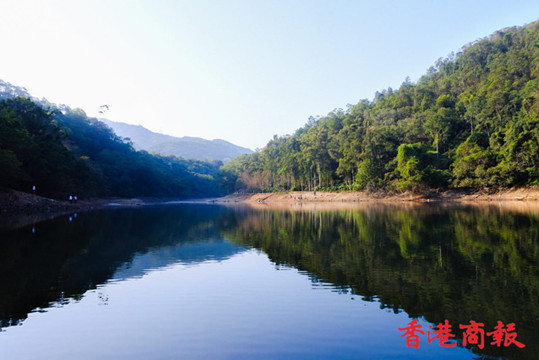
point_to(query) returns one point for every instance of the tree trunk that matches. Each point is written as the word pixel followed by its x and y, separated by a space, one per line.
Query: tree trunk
pixel 319 176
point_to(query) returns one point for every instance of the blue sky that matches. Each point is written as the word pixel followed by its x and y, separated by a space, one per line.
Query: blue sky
pixel 236 70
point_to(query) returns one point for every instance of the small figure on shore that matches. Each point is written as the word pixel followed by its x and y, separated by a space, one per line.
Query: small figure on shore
pixel 34 190
pixel 71 199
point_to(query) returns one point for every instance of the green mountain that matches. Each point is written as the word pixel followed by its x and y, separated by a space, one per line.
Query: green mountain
pixel 472 121
pixel 185 147
pixel 61 151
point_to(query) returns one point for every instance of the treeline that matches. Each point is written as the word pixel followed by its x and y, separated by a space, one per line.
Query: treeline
pixel 62 151
pixel 470 122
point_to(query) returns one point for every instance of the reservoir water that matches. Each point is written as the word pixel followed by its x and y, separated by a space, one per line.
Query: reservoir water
pixel 190 281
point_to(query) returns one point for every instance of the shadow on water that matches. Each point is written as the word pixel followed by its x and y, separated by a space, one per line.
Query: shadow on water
pixel 58 260
pixel 459 263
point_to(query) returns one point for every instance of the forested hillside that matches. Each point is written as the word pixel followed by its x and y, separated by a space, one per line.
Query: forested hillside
pixel 471 122
pixel 61 151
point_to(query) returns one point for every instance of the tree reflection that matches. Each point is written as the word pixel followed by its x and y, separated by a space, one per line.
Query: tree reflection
pixel 61 261
pixel 457 263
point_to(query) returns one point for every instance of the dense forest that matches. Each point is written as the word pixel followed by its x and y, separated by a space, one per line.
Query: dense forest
pixel 470 122
pixel 61 151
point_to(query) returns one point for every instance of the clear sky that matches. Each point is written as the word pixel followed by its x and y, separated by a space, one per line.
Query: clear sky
pixel 239 70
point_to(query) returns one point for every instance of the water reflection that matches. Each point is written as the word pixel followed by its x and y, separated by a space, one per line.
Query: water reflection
pixel 439 262
pixel 458 263
pixel 51 262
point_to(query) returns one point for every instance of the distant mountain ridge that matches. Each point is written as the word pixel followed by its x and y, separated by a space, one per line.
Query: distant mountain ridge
pixel 186 147
pixel 143 139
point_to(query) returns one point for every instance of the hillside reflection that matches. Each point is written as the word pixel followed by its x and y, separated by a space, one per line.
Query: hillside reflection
pixel 54 262
pixel 456 263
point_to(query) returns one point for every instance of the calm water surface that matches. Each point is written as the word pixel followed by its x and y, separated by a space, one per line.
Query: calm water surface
pixel 210 282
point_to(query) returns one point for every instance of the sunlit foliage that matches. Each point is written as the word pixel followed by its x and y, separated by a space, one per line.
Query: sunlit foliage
pixel 470 122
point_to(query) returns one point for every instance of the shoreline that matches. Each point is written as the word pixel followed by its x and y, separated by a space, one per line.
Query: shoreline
pixel 19 209
pixel 520 200
pixel 520 194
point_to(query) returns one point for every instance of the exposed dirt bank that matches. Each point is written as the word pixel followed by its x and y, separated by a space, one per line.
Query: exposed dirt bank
pixel 516 198
pixel 19 208
pixel 521 194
